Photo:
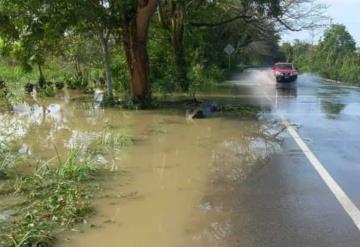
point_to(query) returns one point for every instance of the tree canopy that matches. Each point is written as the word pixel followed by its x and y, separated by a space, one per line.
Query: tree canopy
pixel 187 35
pixel 335 56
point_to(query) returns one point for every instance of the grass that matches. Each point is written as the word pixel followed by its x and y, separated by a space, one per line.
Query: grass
pixel 118 138
pixel 16 76
pixel 55 199
pixel 112 139
pixel 7 162
pixel 72 169
pixel 6 166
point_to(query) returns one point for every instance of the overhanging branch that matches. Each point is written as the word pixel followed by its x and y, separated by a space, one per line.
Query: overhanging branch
pixel 204 24
pixel 287 26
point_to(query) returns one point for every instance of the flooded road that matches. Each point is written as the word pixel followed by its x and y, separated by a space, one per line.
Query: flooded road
pixel 156 195
pixel 167 176
pixel 209 182
pixel 288 203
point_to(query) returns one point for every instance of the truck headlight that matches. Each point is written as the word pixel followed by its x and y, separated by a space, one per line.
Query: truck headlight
pixel 278 73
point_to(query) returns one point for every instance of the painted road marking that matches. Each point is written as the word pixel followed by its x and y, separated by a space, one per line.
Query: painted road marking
pixel 340 195
pixel 334 187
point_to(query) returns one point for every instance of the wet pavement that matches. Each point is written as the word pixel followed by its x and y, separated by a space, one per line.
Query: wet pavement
pixel 287 203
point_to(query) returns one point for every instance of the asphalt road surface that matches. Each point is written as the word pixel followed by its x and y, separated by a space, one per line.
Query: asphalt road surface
pixel 309 195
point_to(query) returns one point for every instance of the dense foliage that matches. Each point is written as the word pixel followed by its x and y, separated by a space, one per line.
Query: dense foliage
pixel 142 46
pixel 334 57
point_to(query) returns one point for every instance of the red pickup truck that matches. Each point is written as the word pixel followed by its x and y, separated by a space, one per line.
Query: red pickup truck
pixel 285 72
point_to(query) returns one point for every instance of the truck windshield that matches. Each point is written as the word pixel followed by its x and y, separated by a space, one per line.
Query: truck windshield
pixel 283 66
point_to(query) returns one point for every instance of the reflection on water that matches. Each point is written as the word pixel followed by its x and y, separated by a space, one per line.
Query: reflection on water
pixel 235 160
pixel 287 89
pixel 24 150
pixel 161 200
pixel 352 109
pixel 98 98
pixel 332 108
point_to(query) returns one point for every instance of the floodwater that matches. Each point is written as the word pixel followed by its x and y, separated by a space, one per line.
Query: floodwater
pixel 164 188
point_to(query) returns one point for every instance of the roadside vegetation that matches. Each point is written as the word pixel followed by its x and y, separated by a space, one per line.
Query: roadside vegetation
pixel 334 57
pixel 179 46
pixel 134 50
pixel 54 197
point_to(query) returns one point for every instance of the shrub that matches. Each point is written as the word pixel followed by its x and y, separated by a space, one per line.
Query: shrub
pixel 76 82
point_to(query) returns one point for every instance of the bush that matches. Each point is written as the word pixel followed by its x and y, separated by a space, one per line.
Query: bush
pixel 76 82
pixel 120 72
pixel 204 78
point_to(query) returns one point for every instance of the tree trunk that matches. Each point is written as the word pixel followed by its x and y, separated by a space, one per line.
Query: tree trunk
pixel 78 68
pixel 106 52
pixel 177 40
pixel 42 80
pixel 172 18
pixel 135 38
pixel 138 63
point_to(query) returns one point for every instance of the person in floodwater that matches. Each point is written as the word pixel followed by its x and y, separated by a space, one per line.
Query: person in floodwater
pixel 202 110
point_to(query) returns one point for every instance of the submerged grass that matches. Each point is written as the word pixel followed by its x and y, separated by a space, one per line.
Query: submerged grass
pixel 55 199
pixel 6 166
pixel 7 162
pixel 112 139
pixel 245 111
pixel 72 169
pixel 118 138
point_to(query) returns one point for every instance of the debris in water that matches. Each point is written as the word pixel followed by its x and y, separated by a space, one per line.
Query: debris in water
pixel 130 195
pixel 24 150
pixel 110 221
pixel 201 110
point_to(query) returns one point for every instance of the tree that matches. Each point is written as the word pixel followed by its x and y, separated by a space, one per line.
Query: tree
pixel 288 51
pixel 43 22
pixel 81 50
pixel 100 19
pixel 128 23
pixel 172 15
pixel 298 15
pixel 262 17
pixel 37 26
pixel 338 38
pixel 31 31
pixel 335 57
pixel 135 24
pixel 333 48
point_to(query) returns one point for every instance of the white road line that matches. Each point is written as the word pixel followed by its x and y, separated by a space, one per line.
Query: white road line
pixel 340 195
pixel 334 187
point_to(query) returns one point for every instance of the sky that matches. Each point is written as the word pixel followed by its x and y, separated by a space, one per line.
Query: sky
pixel 345 12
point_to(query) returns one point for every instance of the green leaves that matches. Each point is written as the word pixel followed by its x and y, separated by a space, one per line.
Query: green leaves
pixel 338 38
pixel 335 56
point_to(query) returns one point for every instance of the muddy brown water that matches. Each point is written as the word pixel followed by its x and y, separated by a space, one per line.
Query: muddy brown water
pixel 163 187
